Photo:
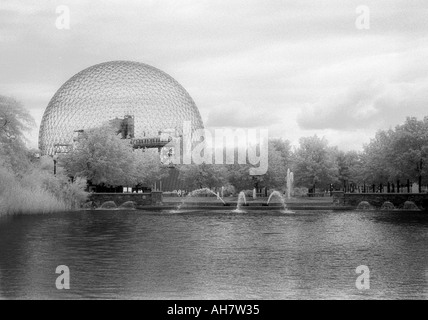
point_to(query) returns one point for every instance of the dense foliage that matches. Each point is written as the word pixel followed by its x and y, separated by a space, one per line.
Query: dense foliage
pixel 396 154
pixel 27 183
pixel 103 158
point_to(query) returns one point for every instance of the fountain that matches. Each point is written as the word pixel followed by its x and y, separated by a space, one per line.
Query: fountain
pixel 364 205
pixel 128 205
pixel 410 205
pixel 108 205
pixel 197 193
pixel 282 200
pixel 290 180
pixel 90 205
pixel 387 205
pixel 241 198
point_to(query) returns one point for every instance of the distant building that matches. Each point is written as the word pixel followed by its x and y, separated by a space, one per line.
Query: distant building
pixel 142 102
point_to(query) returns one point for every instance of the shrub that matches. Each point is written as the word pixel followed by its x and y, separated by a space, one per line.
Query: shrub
pixel 248 193
pixel 229 191
pixel 18 200
pixel 300 192
pixel 39 192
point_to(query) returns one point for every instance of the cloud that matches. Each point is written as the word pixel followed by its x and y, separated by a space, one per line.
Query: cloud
pixel 396 87
pixel 366 107
pixel 298 67
pixel 349 111
pixel 239 115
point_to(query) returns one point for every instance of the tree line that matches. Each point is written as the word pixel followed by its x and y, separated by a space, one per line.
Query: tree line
pixel 102 157
pixel 394 154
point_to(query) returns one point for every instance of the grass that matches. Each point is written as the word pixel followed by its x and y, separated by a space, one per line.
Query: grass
pixel 18 200
pixel 34 195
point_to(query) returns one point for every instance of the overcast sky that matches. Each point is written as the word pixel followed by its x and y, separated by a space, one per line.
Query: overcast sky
pixel 297 67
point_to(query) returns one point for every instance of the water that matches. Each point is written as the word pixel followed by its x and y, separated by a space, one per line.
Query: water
pixel 215 255
pixel 128 205
pixel 278 195
pixel 196 194
pixel 410 205
pixel 241 199
pixel 109 205
pixel 387 205
pixel 365 205
pixel 290 180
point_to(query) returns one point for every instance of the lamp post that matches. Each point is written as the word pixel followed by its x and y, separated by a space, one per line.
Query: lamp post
pixel 55 158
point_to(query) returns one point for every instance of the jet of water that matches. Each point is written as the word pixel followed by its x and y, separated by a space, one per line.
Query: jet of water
pixel 199 192
pixel 279 196
pixel 241 198
pixel 290 180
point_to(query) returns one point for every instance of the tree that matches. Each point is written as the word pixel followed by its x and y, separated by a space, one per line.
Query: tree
pixel 14 121
pixel 148 167
pixel 203 175
pixel 102 157
pixel 238 176
pixel 375 158
pixel 28 184
pixel 278 163
pixel 408 153
pixel 401 153
pixel 315 163
pixel 283 147
pixel 279 160
pixel 349 167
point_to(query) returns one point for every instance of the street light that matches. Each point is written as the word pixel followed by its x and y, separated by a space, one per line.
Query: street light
pixel 55 158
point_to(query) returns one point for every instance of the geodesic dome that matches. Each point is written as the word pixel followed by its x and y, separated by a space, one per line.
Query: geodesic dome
pixel 112 90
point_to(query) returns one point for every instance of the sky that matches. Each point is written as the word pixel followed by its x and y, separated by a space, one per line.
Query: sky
pixel 297 68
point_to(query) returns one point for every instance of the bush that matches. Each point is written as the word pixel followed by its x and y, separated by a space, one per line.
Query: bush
pixel 7 180
pixel 16 199
pixel 19 200
pixel 71 193
pixel 300 192
pixel 39 192
pixel 229 191
pixel 248 193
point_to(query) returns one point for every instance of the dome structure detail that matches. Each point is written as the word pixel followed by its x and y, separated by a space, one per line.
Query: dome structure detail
pixel 114 90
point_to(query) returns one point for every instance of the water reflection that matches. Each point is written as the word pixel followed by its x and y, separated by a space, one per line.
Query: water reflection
pixel 207 255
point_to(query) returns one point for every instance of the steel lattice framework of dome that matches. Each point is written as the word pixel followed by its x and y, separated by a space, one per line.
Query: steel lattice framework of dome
pixel 112 90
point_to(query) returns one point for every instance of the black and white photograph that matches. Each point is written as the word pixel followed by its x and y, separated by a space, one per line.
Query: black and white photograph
pixel 221 152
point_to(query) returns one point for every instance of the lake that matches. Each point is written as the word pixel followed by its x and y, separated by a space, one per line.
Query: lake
pixel 215 255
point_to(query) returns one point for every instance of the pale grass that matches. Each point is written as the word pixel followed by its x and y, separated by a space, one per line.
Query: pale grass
pixel 30 197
